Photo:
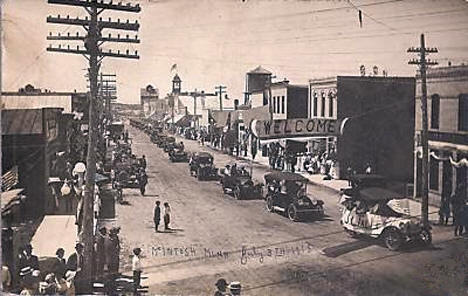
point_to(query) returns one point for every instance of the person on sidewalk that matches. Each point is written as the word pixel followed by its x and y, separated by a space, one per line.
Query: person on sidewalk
pixel 113 251
pixel 75 263
pixel 444 211
pixel 221 286
pixel 60 266
pixel 157 216
pixel 101 251
pixel 137 269
pixel 167 216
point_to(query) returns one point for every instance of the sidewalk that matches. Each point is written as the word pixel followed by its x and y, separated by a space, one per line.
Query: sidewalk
pixel 409 206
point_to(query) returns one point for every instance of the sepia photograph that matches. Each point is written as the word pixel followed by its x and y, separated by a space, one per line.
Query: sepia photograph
pixel 234 147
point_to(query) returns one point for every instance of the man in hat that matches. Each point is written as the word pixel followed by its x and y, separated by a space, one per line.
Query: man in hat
pixel 74 263
pixel 137 269
pixel 221 285
pixel 28 259
pixel 113 250
pixel 157 215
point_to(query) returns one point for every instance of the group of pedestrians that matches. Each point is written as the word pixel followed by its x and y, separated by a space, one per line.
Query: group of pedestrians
pixel 166 216
pixel 60 277
pixel 455 206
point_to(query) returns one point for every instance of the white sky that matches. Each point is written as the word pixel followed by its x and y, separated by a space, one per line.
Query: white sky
pixel 217 41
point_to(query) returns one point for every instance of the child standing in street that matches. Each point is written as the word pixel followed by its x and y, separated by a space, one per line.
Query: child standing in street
pixel 137 269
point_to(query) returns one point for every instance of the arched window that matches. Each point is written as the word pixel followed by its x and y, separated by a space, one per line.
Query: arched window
pixel 331 96
pixel 315 103
pixel 322 113
pixel 435 111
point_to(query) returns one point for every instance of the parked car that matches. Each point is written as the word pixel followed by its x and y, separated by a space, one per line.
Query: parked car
pixel 160 140
pixel 177 153
pixel 287 193
pixel 201 165
pixel 236 178
pixel 168 144
pixel 366 211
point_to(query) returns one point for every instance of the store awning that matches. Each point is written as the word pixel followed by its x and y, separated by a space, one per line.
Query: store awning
pixel 55 231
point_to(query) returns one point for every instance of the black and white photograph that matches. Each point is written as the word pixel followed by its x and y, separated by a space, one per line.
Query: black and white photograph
pixel 234 147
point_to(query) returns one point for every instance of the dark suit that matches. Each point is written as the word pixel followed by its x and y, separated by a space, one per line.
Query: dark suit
pixel 157 217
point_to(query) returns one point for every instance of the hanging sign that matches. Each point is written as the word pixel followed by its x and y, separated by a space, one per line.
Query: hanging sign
pixel 299 127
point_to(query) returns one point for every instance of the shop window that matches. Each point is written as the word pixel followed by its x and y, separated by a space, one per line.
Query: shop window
pixel 322 113
pixel 463 112
pixel 282 105
pixel 435 111
pixel 433 174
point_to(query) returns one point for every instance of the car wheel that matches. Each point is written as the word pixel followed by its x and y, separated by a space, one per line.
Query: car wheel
pixel 393 239
pixel 292 213
pixel 269 204
pixel 237 192
pixel 425 237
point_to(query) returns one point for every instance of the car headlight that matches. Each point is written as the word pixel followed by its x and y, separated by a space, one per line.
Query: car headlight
pixel 314 202
pixel 300 202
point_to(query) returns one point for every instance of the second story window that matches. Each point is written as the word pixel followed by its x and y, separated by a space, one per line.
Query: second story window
pixel 435 111
pixel 463 112
pixel 330 104
pixel 282 105
pixel 315 103
pixel 322 113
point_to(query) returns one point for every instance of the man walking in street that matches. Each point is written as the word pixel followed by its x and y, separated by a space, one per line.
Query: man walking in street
pixel 167 216
pixel 157 216
pixel 137 269
pixel 142 181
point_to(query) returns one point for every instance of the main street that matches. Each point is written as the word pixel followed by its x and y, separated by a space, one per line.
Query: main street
pixel 216 236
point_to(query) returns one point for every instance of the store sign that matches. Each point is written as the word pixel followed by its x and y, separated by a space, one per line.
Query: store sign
pixel 300 127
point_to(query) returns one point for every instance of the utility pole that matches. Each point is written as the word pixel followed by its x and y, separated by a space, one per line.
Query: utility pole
pixel 423 63
pixel 93 53
pixel 220 90
pixel 195 94
pixel 108 91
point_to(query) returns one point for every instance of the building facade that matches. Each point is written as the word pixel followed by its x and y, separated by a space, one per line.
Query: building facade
pixel 288 101
pixel 447 98
pixel 379 125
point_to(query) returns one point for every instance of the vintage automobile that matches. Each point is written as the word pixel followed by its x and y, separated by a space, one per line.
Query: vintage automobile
pixel 168 144
pixel 126 174
pixel 287 193
pixel 366 210
pixel 160 140
pixel 201 165
pixel 177 153
pixel 236 178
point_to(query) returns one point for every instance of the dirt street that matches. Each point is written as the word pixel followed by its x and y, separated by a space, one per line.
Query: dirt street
pixel 213 235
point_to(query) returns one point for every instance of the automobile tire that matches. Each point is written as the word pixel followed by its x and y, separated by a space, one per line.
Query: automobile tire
pixel 393 239
pixel 425 237
pixel 269 204
pixel 237 192
pixel 292 213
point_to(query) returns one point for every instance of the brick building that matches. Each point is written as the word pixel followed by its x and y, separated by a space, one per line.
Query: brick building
pixel 447 93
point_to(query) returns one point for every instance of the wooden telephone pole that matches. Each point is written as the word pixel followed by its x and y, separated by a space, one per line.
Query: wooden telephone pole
pixel 423 63
pixel 195 94
pixel 220 90
pixel 93 53
pixel 108 91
